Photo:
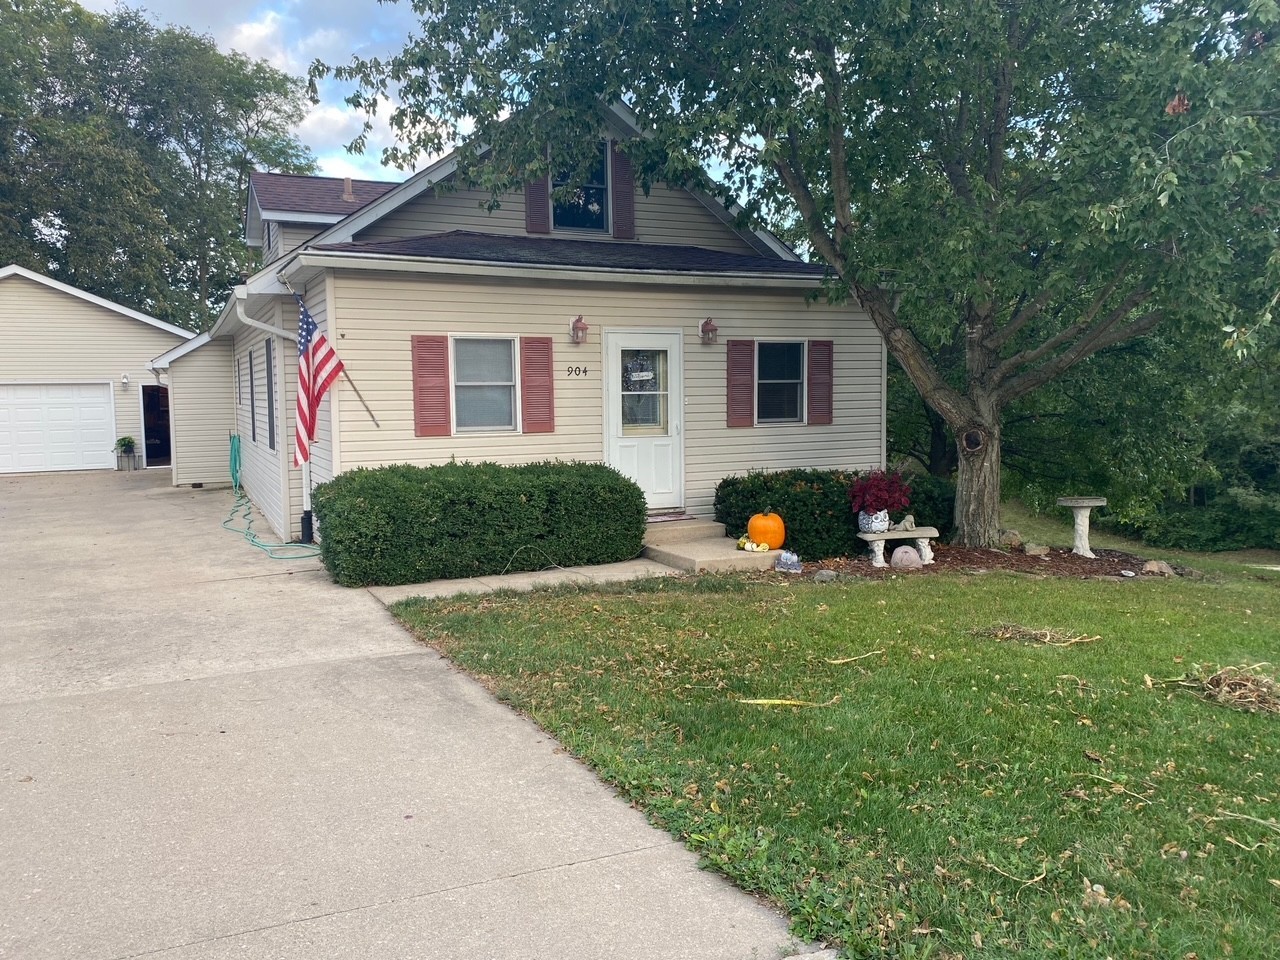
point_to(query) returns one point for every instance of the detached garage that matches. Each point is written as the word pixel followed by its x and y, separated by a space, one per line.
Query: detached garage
pixel 75 376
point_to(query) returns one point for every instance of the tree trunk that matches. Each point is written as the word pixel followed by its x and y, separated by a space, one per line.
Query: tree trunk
pixel 942 449
pixel 977 515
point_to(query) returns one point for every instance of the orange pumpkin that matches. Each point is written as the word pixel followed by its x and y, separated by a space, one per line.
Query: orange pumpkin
pixel 767 528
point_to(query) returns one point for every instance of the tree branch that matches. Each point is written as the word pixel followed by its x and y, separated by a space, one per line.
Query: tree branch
pixel 1025 315
pixel 832 88
pixel 1028 357
pixel 1108 335
pixel 793 178
pixel 999 130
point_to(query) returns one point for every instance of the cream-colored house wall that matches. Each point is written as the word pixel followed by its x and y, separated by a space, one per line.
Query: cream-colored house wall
pixel 202 414
pixel 665 215
pixel 378 314
pixel 263 471
pixel 48 336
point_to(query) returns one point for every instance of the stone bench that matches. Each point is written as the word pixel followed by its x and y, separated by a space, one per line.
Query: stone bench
pixel 921 536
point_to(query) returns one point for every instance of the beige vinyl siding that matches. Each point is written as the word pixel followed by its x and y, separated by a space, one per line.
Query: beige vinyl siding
pixel 666 215
pixel 262 470
pixel 55 337
pixel 379 313
pixel 280 239
pixel 294 235
pixel 202 413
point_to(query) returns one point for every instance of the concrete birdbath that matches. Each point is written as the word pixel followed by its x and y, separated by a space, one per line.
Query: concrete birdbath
pixel 1080 507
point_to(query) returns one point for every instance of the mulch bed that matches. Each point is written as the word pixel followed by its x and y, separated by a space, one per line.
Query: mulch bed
pixel 948 559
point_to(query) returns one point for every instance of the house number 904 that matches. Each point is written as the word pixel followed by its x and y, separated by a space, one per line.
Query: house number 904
pixel 576 371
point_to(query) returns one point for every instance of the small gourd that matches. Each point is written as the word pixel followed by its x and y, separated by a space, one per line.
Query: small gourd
pixel 767 528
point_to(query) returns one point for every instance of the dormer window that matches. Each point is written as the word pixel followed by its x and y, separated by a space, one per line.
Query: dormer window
pixel 586 206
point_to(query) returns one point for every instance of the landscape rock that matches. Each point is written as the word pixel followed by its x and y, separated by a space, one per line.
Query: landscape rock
pixel 1158 568
pixel 905 558
pixel 1011 539
pixel 1035 550
pixel 825 576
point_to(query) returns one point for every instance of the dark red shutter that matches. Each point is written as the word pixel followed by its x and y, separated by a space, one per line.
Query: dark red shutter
pixel 537 206
pixel 622 188
pixel 431 386
pixel 537 386
pixel 821 390
pixel 741 366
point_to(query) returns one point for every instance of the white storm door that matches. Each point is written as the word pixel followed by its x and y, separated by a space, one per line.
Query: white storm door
pixel 644 421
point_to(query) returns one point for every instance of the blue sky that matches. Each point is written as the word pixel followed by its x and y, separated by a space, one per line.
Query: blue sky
pixel 290 34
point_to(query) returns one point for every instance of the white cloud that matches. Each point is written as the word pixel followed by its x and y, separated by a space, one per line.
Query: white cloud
pixel 290 35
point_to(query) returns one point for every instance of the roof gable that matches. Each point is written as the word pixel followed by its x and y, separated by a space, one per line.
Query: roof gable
pixel 13 270
pixel 295 198
pixel 346 229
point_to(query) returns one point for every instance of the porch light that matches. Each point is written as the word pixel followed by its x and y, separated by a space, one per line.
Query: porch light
pixel 124 381
pixel 578 330
pixel 708 331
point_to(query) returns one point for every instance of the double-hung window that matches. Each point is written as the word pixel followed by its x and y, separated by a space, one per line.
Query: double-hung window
pixel 780 381
pixel 484 384
pixel 464 384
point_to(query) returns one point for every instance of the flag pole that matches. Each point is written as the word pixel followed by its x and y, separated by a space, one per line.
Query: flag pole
pixel 307 533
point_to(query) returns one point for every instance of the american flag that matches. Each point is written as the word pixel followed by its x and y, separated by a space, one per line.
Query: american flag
pixel 318 367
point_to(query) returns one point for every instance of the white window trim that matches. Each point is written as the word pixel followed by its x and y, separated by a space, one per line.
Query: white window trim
pixel 803 419
pixel 516 411
pixel 607 229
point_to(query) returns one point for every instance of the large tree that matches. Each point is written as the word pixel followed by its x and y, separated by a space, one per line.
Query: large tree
pixel 125 150
pixel 1025 182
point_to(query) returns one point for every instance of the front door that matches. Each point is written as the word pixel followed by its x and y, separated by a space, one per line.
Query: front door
pixel 644 415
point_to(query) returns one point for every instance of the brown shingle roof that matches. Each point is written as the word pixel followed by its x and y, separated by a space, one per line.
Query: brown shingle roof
pixel 540 251
pixel 291 193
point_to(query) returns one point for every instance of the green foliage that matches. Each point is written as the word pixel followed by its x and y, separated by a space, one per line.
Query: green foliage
pixel 933 504
pixel 813 504
pixel 1224 525
pixel 407 524
pixel 1019 186
pixel 125 150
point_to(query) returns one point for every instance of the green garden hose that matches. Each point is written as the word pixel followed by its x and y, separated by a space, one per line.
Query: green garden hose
pixel 243 510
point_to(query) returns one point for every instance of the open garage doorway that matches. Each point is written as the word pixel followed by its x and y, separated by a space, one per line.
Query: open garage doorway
pixel 155 426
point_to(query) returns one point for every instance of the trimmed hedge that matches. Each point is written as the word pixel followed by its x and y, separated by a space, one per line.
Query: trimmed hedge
pixel 407 524
pixel 814 505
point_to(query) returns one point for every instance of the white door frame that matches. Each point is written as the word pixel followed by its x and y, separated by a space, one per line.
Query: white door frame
pixel 670 339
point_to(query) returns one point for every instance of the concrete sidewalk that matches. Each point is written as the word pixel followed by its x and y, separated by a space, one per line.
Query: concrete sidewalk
pixel 205 753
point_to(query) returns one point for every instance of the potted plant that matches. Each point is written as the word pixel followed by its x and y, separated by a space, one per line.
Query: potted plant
pixel 126 445
pixel 872 495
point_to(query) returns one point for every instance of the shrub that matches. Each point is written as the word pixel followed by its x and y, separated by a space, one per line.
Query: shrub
pixel 1219 526
pixel 933 504
pixel 406 524
pixel 814 505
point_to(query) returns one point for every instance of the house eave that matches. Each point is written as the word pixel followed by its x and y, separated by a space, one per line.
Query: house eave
pixel 441 266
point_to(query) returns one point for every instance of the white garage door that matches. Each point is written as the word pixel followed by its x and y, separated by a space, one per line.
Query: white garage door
pixel 56 426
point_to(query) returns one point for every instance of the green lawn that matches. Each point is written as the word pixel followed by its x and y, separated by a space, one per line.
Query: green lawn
pixel 948 794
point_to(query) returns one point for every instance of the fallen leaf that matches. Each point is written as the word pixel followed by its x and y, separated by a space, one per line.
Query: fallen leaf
pixel 1090 755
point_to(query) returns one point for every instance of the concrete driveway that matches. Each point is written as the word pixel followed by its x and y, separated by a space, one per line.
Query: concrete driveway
pixel 206 753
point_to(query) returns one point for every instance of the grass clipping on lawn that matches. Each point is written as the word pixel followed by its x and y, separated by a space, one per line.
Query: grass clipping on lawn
pixel 1246 687
pixel 1044 637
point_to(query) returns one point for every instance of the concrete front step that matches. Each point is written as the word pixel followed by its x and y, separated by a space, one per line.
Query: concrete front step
pixel 681 531
pixel 715 555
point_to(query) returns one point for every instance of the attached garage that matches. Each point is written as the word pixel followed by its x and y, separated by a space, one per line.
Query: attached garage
pixel 75 376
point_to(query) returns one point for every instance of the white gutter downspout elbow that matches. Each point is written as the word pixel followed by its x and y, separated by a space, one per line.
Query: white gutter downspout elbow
pixel 242 294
